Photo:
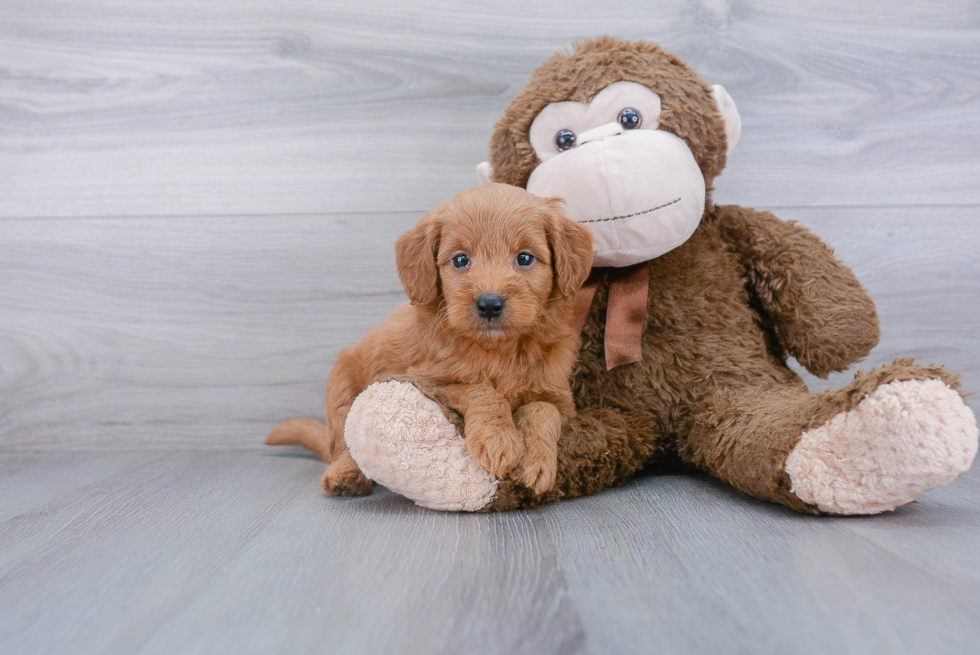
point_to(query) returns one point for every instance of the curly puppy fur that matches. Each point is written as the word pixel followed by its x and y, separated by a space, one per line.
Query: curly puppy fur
pixel 506 374
pixel 713 390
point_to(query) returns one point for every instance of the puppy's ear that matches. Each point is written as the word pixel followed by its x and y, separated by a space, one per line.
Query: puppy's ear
pixel 415 258
pixel 571 248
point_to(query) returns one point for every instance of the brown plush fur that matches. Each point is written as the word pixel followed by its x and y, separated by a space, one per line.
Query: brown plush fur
pixel 726 308
pixel 506 375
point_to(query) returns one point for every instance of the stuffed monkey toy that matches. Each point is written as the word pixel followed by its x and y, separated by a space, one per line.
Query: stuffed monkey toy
pixel 686 322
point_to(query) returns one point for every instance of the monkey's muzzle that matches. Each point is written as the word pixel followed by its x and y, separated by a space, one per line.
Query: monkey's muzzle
pixel 641 192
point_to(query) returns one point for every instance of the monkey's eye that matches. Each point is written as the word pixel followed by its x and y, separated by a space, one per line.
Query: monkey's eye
pixel 461 260
pixel 630 119
pixel 564 140
pixel 524 260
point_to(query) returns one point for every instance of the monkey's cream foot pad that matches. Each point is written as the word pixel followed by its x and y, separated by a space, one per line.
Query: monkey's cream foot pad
pixel 401 439
pixel 903 439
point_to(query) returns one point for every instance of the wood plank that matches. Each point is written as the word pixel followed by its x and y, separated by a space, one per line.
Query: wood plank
pixel 690 565
pixel 64 486
pixel 205 332
pixel 238 551
pixel 63 475
pixel 189 326
pixel 286 106
pixel 185 557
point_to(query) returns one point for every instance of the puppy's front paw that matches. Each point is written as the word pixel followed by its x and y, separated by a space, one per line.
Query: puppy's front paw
pixel 537 473
pixel 343 478
pixel 498 450
pixel 540 425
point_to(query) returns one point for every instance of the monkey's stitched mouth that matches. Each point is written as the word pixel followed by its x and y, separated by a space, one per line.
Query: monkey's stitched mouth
pixel 645 211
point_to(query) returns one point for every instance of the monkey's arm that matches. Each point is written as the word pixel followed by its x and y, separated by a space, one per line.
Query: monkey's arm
pixel 823 316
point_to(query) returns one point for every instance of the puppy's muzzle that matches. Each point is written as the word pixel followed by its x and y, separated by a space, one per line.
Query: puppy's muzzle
pixel 490 305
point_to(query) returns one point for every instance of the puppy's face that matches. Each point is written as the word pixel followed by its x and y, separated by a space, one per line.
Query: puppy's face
pixel 495 258
pixel 494 267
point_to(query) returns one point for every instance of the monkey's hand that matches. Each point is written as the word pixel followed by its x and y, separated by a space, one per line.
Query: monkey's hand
pixel 821 313
pixel 539 424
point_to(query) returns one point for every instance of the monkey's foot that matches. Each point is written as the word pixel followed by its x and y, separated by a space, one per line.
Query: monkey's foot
pixel 903 439
pixel 401 439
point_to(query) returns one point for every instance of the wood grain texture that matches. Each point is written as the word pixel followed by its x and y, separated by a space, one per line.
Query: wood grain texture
pixel 717 572
pixel 205 552
pixel 198 202
pixel 114 108
pixel 206 332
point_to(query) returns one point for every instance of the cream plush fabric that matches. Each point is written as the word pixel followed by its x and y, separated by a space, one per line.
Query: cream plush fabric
pixel 631 221
pixel 729 112
pixel 400 439
pixel 902 440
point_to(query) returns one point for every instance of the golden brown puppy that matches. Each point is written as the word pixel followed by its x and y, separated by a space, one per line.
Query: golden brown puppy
pixel 492 276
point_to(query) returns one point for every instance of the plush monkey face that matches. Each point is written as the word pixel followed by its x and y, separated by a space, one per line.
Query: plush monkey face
pixel 637 187
pixel 628 135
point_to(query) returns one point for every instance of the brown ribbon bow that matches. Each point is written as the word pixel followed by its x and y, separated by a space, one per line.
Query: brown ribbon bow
pixel 625 314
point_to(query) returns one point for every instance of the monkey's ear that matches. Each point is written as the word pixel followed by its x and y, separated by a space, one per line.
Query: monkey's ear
pixel 484 172
pixel 415 259
pixel 729 113
pixel 571 248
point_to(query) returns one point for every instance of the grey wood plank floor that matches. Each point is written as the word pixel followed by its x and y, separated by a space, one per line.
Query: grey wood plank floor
pixel 204 552
pixel 198 203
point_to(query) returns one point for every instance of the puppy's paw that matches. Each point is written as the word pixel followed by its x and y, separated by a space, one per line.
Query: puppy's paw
pixel 537 473
pixel 539 423
pixel 498 450
pixel 345 479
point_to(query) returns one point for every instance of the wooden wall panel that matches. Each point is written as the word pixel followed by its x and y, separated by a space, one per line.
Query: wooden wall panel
pixel 116 108
pixel 205 332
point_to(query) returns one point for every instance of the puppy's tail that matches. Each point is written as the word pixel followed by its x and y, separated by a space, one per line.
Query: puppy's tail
pixel 304 432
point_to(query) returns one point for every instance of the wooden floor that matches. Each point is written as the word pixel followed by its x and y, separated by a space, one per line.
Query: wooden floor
pixel 198 203
pixel 239 552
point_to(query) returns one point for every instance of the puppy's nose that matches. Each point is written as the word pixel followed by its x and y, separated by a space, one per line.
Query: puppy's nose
pixel 490 305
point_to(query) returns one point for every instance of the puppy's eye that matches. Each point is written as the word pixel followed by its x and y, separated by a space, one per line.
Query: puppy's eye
pixel 630 119
pixel 525 260
pixel 461 260
pixel 564 140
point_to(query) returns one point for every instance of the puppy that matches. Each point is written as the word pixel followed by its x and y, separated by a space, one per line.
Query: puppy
pixel 492 276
